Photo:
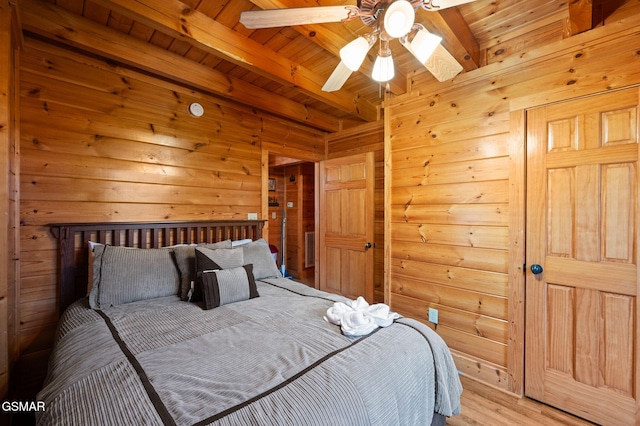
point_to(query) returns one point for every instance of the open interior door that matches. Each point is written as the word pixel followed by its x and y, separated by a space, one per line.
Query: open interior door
pixel 346 225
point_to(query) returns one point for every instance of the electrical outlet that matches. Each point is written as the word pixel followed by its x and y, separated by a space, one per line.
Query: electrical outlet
pixel 433 315
pixel 252 216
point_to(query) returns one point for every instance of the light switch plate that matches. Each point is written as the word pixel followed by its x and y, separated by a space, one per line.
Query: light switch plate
pixel 433 315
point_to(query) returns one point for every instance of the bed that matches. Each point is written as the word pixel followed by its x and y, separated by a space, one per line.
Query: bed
pixel 190 323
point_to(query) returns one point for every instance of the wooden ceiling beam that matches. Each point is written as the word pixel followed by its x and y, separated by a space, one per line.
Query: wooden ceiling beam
pixel 456 35
pixel 178 20
pixel 332 38
pixel 580 17
pixel 55 23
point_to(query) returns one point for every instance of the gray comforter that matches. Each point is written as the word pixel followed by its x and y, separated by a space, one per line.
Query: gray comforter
pixel 272 360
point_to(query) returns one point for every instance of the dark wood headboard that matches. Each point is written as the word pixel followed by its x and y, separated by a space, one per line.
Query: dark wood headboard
pixel 73 237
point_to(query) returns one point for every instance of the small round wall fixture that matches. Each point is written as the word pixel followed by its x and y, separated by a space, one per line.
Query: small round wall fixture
pixel 196 109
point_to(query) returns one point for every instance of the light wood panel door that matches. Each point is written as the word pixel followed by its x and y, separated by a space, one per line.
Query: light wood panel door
pixel 347 225
pixel 582 229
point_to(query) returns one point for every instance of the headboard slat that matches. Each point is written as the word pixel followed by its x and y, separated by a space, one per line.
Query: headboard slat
pixel 73 237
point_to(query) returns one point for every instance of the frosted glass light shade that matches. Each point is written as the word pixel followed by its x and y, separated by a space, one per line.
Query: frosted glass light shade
pixel 423 45
pixel 353 54
pixel 398 19
pixel 383 68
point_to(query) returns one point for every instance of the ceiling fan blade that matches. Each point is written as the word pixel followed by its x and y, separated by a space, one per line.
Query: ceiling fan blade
pixel 270 18
pixel 337 79
pixel 435 5
pixel 443 65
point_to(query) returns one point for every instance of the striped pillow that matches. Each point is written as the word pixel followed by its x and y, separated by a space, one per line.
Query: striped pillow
pixel 208 260
pixel 186 261
pixel 259 255
pixel 124 275
pixel 228 286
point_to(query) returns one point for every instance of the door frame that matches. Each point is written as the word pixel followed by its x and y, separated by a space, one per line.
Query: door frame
pixel 264 197
pixel 516 253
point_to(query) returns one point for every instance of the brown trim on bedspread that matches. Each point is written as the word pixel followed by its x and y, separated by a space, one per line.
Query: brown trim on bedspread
pixel 161 409
pixel 297 292
pixel 168 419
pixel 290 380
pixel 433 355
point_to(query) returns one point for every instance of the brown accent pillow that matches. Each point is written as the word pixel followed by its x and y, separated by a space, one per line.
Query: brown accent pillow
pixel 228 286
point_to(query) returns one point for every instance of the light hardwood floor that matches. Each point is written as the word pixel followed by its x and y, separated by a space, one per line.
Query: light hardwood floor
pixel 483 405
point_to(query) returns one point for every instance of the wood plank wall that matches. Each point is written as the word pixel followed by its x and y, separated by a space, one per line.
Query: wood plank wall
pixel 358 140
pixel 455 177
pixel 10 41
pixel 102 142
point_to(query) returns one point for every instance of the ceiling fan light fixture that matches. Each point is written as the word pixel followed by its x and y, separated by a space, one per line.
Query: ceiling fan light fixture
pixel 353 54
pixel 398 18
pixel 424 44
pixel 383 69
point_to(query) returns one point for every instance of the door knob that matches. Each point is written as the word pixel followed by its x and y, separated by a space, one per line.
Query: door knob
pixel 536 269
pixel 367 246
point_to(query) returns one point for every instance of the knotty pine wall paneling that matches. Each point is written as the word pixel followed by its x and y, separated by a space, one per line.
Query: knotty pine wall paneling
pixel 455 176
pixel 10 43
pixel 104 142
pixel 358 140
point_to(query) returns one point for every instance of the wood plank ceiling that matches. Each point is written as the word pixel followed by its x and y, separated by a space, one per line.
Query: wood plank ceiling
pixel 283 69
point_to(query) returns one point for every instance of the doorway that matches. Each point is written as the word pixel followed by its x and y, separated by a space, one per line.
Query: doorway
pixel 291 216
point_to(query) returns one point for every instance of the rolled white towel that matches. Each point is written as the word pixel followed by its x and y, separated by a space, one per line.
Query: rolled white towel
pixel 359 304
pixel 357 323
pixel 358 318
pixel 336 312
pixel 382 314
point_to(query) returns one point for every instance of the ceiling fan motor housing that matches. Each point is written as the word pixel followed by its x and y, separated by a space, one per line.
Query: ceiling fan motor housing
pixel 372 10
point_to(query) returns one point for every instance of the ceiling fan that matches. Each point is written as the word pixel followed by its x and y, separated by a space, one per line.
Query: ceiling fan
pixel 388 19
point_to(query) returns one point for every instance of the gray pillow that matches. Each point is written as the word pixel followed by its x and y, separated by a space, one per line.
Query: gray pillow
pixel 186 261
pixel 226 244
pixel 228 286
pixel 259 255
pixel 124 275
pixel 209 260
